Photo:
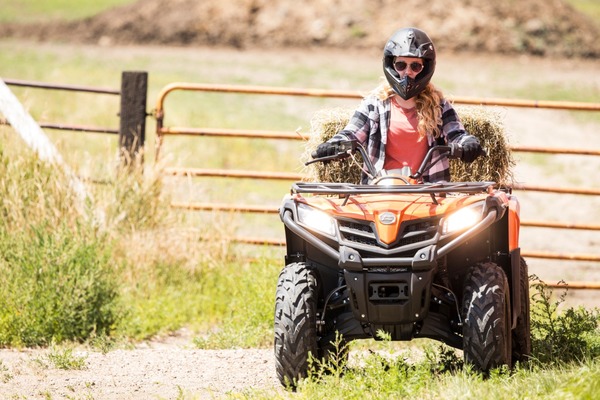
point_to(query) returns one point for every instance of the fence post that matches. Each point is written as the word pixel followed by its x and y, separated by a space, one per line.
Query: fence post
pixel 132 128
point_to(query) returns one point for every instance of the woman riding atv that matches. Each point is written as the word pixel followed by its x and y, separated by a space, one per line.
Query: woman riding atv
pixel 401 119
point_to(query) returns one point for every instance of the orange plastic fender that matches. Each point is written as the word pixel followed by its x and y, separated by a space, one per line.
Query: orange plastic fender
pixel 514 223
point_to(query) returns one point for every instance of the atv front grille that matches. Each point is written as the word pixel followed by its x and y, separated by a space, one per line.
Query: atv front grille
pixel 363 235
pixel 417 232
pixel 358 233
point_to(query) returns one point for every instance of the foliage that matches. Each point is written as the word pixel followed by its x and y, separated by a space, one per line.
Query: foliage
pixel 572 335
pixel 174 280
pixel 54 286
pixel 565 364
pixel 388 373
pixel 117 269
pixel 241 296
pixel 56 277
pixel 133 202
pixel 62 358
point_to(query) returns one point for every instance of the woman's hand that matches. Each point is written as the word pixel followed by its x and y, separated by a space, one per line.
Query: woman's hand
pixel 471 149
pixel 326 149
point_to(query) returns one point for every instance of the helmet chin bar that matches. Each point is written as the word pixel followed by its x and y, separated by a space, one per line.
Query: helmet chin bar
pixel 406 88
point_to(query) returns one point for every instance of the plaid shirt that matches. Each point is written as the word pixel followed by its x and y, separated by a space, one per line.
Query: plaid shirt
pixel 370 123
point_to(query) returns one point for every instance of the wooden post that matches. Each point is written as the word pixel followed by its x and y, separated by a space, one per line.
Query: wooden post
pixel 132 129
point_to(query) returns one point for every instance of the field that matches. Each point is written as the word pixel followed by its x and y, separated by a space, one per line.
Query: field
pixel 484 77
pixel 175 288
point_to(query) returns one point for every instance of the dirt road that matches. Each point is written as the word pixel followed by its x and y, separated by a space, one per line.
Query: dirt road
pixel 166 369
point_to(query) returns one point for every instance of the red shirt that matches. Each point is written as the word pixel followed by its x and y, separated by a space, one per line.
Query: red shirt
pixel 403 146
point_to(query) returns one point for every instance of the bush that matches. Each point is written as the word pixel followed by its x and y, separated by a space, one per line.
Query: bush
pixel 56 278
pixel 561 337
pixel 54 286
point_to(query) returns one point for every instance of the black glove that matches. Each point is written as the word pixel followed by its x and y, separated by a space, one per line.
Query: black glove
pixel 471 149
pixel 325 149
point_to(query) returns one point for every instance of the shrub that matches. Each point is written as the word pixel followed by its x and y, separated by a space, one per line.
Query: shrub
pixel 562 336
pixel 54 286
pixel 56 278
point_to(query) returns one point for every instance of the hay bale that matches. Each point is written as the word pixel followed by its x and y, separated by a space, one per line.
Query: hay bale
pixel 479 121
pixel 323 126
pixel 487 126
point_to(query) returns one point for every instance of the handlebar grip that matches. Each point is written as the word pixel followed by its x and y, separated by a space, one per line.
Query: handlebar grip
pixel 456 150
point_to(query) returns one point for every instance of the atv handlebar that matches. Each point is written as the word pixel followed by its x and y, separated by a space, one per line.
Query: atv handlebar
pixel 344 148
pixel 453 150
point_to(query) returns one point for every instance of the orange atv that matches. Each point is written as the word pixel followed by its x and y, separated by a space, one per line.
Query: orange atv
pixel 439 261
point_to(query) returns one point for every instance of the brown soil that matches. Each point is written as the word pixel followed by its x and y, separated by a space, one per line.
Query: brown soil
pixel 171 368
pixel 540 27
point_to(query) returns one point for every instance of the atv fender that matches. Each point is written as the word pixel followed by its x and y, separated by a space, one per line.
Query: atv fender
pixel 515 293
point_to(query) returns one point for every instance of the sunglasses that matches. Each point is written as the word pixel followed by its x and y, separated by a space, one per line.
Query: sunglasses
pixel 414 66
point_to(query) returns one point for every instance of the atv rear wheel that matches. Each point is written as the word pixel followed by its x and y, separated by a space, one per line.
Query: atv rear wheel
pixel 295 322
pixel 486 318
pixel 521 335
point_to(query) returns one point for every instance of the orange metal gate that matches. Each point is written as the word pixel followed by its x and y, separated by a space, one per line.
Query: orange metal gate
pixel 163 131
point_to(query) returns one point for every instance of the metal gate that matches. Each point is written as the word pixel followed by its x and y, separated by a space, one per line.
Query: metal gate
pixel 163 131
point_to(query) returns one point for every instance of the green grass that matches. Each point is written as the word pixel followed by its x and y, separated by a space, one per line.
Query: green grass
pixel 437 373
pixel 591 8
pixel 56 280
pixel 62 358
pixel 565 365
pixel 35 10
pixel 556 91
pixel 562 92
pixel 213 300
pixel 388 377
pixel 131 275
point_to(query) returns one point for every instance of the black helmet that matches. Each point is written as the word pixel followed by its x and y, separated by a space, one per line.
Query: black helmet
pixel 409 42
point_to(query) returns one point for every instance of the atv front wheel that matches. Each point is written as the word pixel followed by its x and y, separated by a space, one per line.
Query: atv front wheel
pixel 295 322
pixel 486 318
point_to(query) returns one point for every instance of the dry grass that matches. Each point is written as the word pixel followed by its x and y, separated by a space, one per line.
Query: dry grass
pixel 498 165
pixel 323 126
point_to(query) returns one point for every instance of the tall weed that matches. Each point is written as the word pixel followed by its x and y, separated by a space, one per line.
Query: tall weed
pixel 132 201
pixel 56 277
pixel 561 336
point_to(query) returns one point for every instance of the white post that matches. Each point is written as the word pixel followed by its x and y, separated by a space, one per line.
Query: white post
pixel 36 139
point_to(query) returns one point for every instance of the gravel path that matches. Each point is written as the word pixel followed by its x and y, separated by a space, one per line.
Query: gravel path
pixel 154 370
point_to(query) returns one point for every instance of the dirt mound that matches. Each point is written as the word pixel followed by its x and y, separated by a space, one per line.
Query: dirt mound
pixel 542 27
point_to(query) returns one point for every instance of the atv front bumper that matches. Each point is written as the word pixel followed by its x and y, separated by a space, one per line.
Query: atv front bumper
pixel 424 259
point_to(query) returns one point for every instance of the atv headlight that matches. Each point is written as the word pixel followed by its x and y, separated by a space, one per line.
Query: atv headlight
pixel 316 219
pixel 464 218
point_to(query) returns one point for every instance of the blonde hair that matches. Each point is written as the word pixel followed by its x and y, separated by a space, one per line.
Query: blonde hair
pixel 429 112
